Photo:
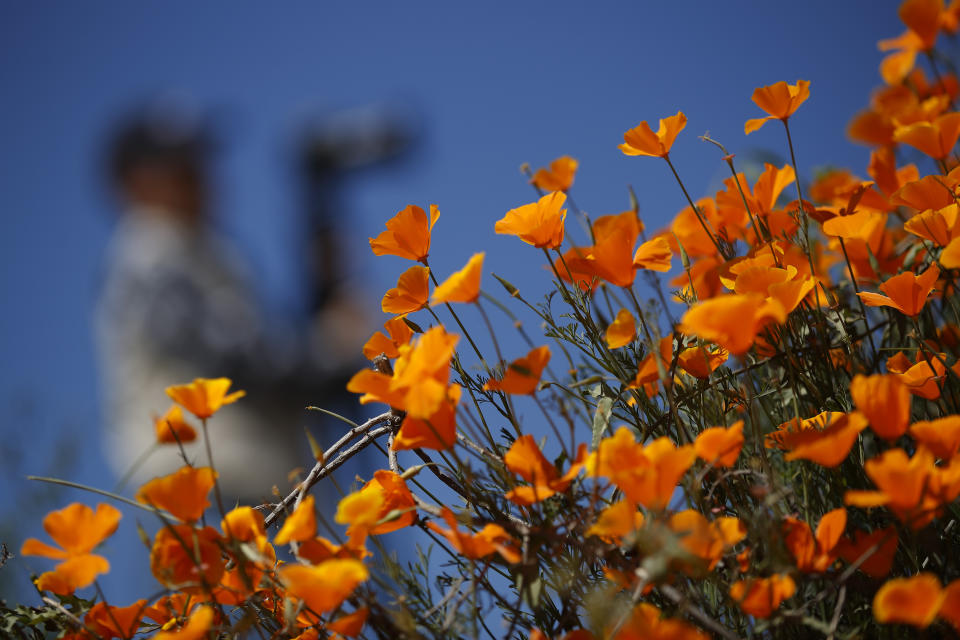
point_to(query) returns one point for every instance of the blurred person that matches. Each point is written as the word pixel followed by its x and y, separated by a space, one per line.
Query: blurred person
pixel 176 304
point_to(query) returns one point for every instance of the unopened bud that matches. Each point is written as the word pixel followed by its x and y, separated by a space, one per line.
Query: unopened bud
pixel 512 290
pixel 684 257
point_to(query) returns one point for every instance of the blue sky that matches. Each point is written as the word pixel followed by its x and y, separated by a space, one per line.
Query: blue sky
pixel 495 85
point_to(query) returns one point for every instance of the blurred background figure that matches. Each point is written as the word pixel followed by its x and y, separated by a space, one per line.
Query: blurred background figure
pixel 177 303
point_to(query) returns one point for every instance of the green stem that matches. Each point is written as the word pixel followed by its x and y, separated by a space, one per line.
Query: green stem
pixel 696 210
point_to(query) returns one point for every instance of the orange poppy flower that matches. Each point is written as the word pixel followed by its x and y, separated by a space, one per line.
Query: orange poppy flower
pixel 204 396
pixel 645 622
pixel 936 225
pixel 941 437
pixel 319 549
pixel 879 562
pixel 436 431
pixel 902 484
pixel 523 374
pixel 647 475
pixel 689 232
pixel 898 363
pixel 364 509
pixel 923 379
pixel 379 387
pixel 396 499
pixel 419 382
pixel 929 192
pixel 324 587
pixel 573 267
pixel 923 18
pixel 870 128
pixel 642 141
pixel 950 18
pixel 825 438
pixel 914 601
pixel 300 525
pixel 72 574
pixel 78 530
pixel 705 539
pixel 720 446
pixel 760 597
pixel 187 559
pixel 424 370
pixel 398 333
pixel 115 622
pixel 950 257
pixel 873 238
pixel 885 401
pixel 700 362
pixel 755 268
pixel 171 428
pixel 244 524
pixel 946 84
pixel 462 285
pixel 170 607
pixel 616 521
pixel 611 257
pixel 732 321
pixel 183 493
pixel 761 200
pixel 944 483
pixel 525 459
pixel 622 330
pixel 907 293
pixel 815 554
pixel 936 139
pixel 559 177
pixel 649 371
pixel 412 292
pixel 247 577
pixel 492 538
pixel 895 67
pixel 834 186
pixel 786 286
pixel 196 628
pixel 884 171
pixel 654 255
pixel 407 234
pixel 539 223
pixel 780 100
pixel 950 607
pixel 855 225
pixel 351 624
pixel 360 510
pixel 701 281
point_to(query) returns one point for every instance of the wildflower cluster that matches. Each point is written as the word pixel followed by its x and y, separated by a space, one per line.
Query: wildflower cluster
pixel 771 447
